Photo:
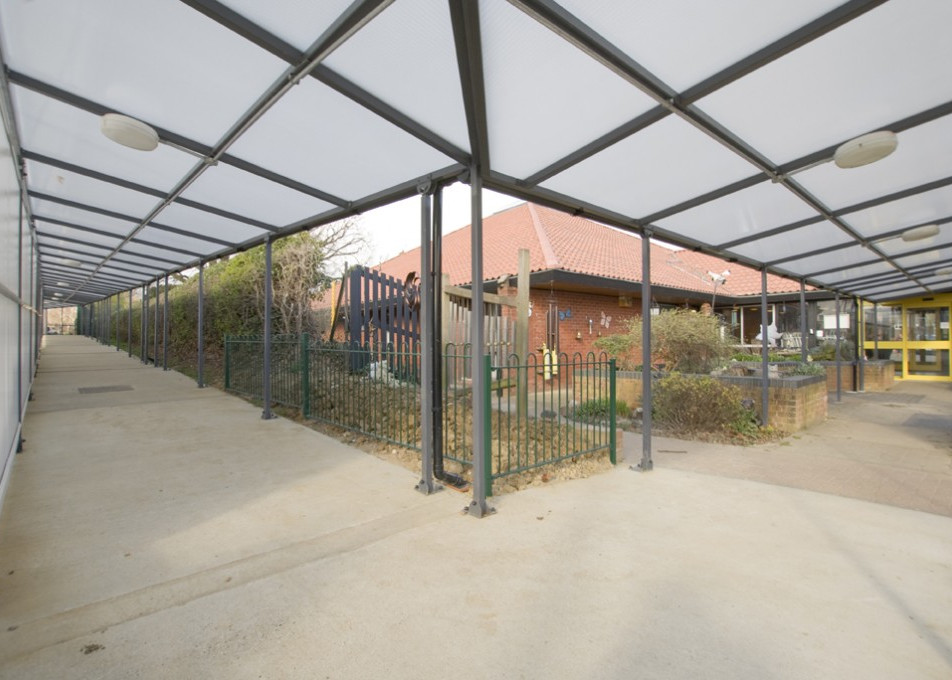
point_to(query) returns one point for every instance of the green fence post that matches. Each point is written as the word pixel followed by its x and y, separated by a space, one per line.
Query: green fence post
pixel 227 363
pixel 305 376
pixel 612 443
pixel 487 424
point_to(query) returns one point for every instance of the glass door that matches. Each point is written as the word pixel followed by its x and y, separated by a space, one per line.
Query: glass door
pixel 927 342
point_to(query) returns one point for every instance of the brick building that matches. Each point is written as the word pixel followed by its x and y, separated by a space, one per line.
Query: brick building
pixel 585 277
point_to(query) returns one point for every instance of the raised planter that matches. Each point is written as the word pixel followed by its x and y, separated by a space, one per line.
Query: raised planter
pixel 794 402
pixel 878 375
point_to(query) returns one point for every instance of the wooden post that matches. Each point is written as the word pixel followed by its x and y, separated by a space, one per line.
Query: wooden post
pixel 522 332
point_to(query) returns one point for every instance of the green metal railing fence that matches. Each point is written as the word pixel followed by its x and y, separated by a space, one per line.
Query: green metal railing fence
pixel 537 411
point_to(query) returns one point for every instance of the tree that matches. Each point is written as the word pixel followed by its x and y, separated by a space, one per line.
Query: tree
pixel 682 339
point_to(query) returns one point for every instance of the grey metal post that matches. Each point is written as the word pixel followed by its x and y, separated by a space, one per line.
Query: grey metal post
pixel 803 322
pixel 478 506
pixel 118 317
pixel 876 330
pixel 165 327
pixel 20 320
pixel 266 384
pixel 764 351
pixel 836 345
pixel 155 328
pixel 646 462
pixel 426 485
pixel 860 354
pixel 144 326
pixel 436 299
pixel 201 325
pixel 129 334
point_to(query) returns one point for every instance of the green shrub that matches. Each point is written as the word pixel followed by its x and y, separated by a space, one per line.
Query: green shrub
pixel 827 351
pixel 691 404
pixel 747 356
pixel 596 410
pixel 806 369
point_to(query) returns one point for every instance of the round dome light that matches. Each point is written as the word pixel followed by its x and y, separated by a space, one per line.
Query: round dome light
pixel 129 132
pixel 865 149
pixel 920 233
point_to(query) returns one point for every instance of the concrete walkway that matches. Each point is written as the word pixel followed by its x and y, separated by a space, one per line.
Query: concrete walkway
pixel 890 447
pixel 168 532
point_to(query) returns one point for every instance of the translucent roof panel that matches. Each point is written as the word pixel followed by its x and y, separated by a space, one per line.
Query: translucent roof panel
pixel 867 73
pixel 724 32
pixel 92 192
pixel 628 177
pixel 201 222
pixel 833 278
pixel 197 245
pixel 240 192
pixel 906 212
pixel 535 107
pixel 879 291
pixel 927 258
pixel 84 218
pixel 896 246
pixel 924 154
pixel 323 139
pixel 297 22
pixel 419 77
pixel 142 250
pixel 60 131
pixel 802 240
pixel 843 258
pixel 743 213
pixel 50 231
pixel 93 250
pixel 147 59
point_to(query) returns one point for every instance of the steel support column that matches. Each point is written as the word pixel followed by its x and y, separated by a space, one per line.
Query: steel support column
pixel 860 353
pixel 437 301
pixel 201 325
pixel 165 327
pixel 836 345
pixel 803 322
pixel 129 330
pixel 143 326
pixel 427 386
pixel 764 352
pixel 155 328
pixel 646 463
pixel 876 330
pixel 266 377
pixel 118 317
pixel 478 507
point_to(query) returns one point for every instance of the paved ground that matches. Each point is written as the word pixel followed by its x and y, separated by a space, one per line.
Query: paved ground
pixel 168 532
pixel 890 447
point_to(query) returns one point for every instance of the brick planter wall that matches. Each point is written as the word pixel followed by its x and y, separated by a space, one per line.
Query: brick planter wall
pixel 794 402
pixel 878 376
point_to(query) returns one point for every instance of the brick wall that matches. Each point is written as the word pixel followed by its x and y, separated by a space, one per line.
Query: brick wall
pixel 878 376
pixel 608 318
pixel 793 403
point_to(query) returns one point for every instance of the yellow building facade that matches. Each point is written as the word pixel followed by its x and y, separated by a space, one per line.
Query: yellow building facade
pixel 913 334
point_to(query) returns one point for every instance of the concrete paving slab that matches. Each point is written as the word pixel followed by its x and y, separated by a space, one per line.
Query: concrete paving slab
pixel 223 546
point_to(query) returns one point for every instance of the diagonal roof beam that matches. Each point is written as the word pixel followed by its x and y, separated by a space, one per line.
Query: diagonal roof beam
pixel 351 21
pixel 251 31
pixel 158 193
pixel 137 240
pixel 126 218
pixel 670 101
pixel 464 15
pixel 880 200
pixel 167 135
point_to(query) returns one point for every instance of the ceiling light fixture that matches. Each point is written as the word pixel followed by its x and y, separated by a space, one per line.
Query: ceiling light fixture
pixel 865 149
pixel 72 263
pixel 920 233
pixel 129 132
pixel 947 271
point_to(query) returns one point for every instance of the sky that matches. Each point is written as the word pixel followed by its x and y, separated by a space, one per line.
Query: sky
pixel 395 228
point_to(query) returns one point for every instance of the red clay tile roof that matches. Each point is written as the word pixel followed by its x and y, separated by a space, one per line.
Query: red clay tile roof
pixel 557 240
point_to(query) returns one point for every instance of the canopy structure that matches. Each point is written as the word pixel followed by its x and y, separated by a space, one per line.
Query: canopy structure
pixel 710 125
